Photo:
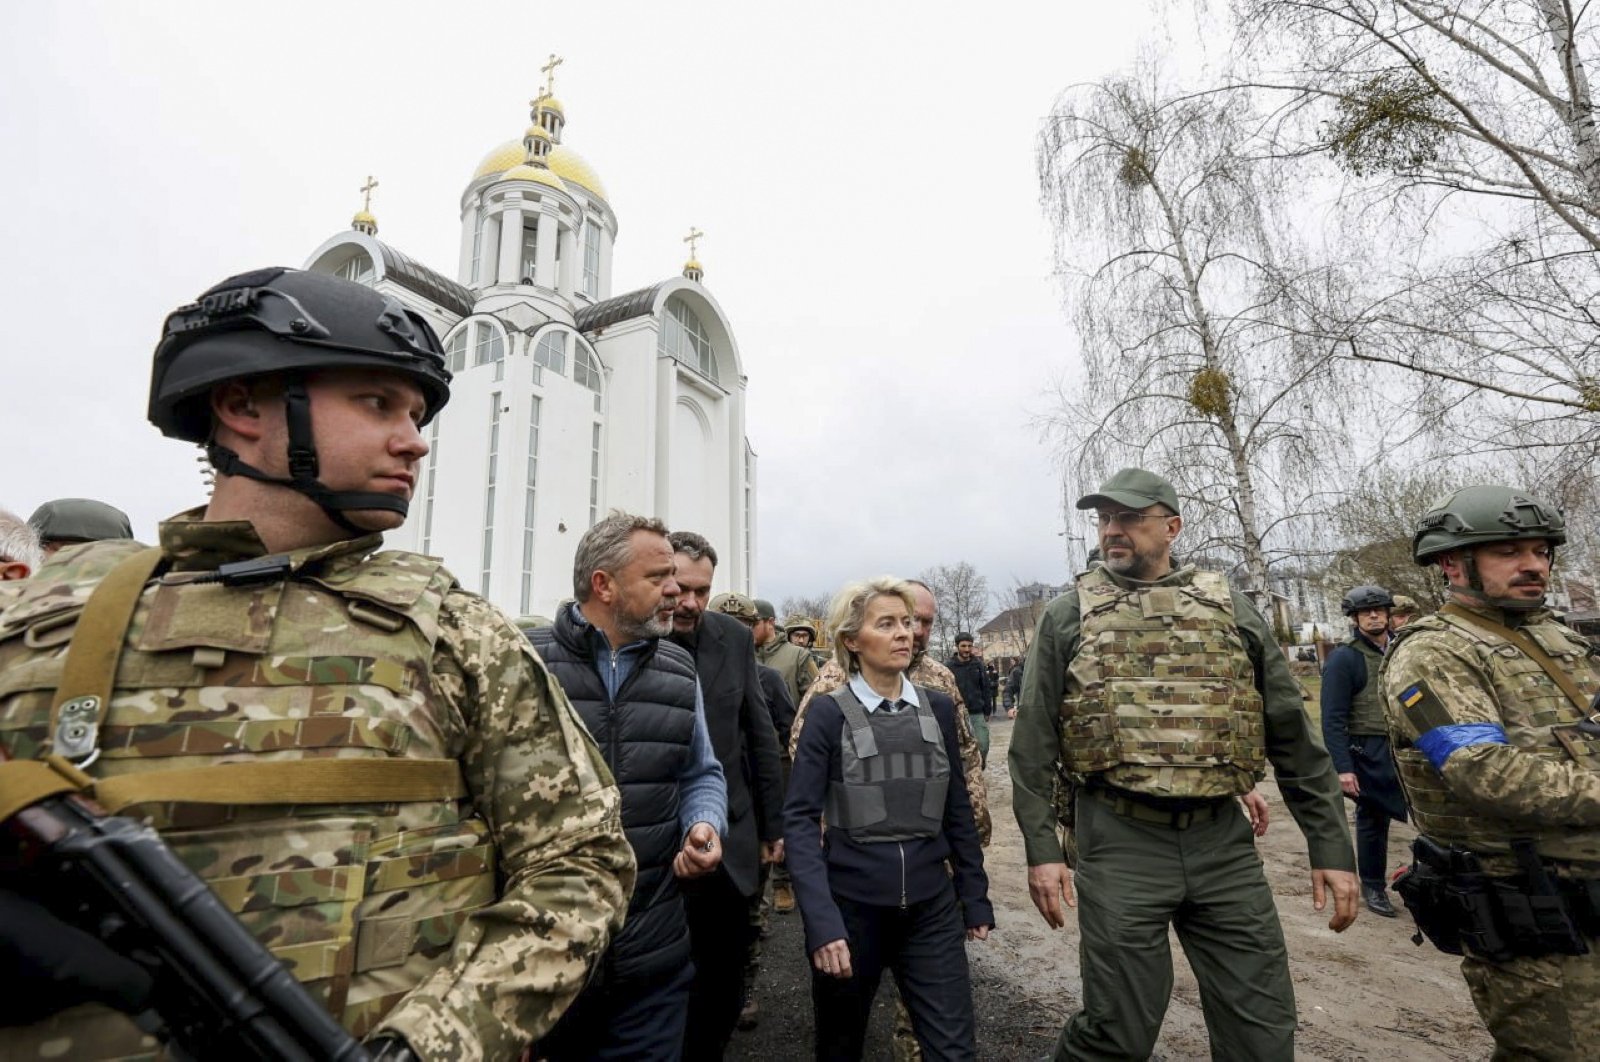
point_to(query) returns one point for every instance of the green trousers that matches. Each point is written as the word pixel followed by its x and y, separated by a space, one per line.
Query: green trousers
pixel 1546 1008
pixel 1134 879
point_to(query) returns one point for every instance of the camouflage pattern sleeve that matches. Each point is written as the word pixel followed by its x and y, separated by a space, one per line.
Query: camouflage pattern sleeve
pixel 1438 697
pixel 830 678
pixel 566 869
pixel 934 675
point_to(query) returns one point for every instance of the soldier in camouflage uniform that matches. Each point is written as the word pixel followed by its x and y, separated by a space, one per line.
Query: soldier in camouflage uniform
pixel 1489 705
pixel 1162 695
pixel 929 673
pixel 268 635
pixel 799 671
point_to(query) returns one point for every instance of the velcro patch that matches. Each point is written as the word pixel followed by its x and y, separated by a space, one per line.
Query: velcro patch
pixel 1422 709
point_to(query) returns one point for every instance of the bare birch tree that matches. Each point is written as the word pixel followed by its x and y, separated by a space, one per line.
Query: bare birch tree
pixel 961 596
pixel 1467 131
pixel 1200 340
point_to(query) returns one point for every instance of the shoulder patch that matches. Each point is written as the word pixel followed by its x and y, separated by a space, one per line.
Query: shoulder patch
pixel 1422 709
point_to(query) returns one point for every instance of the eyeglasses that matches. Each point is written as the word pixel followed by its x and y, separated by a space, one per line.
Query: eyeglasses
pixel 1126 518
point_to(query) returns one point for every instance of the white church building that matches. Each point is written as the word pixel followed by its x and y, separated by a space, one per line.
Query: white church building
pixel 568 400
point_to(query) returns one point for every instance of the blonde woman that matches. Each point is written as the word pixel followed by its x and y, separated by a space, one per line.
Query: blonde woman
pixel 879 758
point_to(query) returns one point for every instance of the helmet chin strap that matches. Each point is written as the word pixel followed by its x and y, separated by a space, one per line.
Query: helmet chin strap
pixel 1474 588
pixel 303 466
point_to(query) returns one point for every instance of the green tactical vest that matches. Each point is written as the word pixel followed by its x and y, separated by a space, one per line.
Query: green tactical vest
pixel 894 772
pixel 1366 708
pixel 361 901
pixel 1532 709
pixel 1160 696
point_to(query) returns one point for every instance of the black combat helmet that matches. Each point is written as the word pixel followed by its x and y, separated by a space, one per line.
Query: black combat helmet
pixel 1361 598
pixel 286 323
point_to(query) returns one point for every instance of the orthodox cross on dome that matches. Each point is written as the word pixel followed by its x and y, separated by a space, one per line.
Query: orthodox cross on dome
pixel 549 72
pixel 691 268
pixel 364 222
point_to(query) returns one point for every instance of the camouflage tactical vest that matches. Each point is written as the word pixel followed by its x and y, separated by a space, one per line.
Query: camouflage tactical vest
pixel 894 771
pixel 1537 717
pixel 1160 696
pixel 361 901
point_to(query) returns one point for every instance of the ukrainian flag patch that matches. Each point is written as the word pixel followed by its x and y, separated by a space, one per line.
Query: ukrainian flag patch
pixel 1422 709
pixel 1411 696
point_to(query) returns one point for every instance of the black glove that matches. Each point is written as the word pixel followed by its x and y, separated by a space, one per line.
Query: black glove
pixel 51 966
pixel 390 1047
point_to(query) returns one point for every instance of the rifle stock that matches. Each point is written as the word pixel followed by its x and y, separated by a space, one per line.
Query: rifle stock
pixel 219 993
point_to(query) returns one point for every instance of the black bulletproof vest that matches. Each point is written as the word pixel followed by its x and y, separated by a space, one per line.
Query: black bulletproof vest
pixel 646 737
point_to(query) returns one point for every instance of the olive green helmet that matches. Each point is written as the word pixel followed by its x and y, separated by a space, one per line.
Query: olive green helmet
pixel 1476 516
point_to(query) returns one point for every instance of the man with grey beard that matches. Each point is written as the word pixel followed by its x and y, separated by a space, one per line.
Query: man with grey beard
pixel 639 696
pixel 1159 695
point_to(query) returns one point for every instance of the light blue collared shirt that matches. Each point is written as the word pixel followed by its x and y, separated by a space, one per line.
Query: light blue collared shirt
pixel 871 700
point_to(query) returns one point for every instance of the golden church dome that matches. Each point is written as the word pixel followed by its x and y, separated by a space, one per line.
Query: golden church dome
pixel 537 131
pixel 550 103
pixel 536 174
pixel 564 162
pixel 364 217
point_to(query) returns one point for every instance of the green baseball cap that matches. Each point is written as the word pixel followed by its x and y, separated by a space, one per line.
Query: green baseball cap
pixel 1135 488
pixel 764 609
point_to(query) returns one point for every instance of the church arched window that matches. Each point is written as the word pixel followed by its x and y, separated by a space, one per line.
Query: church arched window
pixel 357 268
pixel 585 369
pixel 489 346
pixel 551 352
pixel 683 337
pixel 455 351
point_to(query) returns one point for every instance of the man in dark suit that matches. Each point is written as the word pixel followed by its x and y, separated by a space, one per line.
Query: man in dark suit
pixel 744 740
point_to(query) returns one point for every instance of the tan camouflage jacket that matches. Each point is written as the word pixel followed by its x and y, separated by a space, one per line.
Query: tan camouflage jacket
pixel 1488 746
pixel 466 926
pixel 924 671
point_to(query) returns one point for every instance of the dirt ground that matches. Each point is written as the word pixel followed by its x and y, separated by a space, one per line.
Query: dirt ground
pixel 1368 993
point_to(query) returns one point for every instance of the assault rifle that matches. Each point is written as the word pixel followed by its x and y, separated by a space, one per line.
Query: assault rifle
pixel 217 992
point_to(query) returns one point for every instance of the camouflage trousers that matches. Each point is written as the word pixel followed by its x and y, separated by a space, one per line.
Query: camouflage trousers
pixel 760 909
pixel 1544 1008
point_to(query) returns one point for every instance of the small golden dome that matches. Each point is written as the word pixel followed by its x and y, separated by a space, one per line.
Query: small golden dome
pixel 550 103
pixel 694 264
pixel 536 174
pixel 363 218
pixel 537 131
pixel 564 162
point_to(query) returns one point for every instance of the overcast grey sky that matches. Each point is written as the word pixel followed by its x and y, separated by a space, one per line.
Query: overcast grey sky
pixel 864 174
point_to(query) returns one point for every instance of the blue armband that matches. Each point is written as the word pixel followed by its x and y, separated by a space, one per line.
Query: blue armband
pixel 1438 743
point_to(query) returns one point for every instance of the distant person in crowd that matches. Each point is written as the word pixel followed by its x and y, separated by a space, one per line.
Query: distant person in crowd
pixel 20 552
pixel 967 666
pixel 776 691
pixel 69 521
pixel 801 631
pixel 746 744
pixel 874 890
pixel 799 670
pixel 1405 610
pixel 1013 688
pixel 991 681
pixel 926 672
pixel 637 693
pixel 1357 737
